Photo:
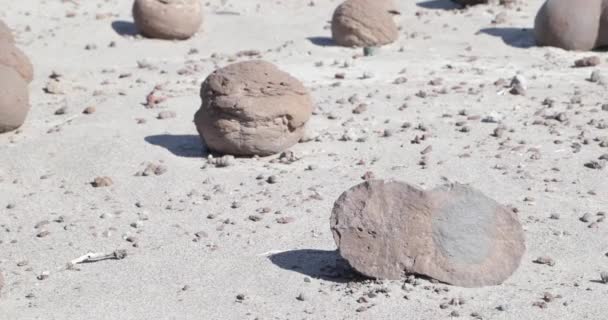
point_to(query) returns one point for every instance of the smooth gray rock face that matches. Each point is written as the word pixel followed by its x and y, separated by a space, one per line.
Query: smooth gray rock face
pixel 572 25
pixel 453 233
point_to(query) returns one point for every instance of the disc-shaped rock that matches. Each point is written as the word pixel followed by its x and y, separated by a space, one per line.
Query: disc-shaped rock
pixel 168 19
pixel 453 234
pixel 572 25
pixel 13 57
pixel 14 99
pixel 364 23
pixel 252 108
pixel 6 34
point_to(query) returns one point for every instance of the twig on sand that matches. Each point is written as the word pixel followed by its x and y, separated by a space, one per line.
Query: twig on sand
pixel 98 256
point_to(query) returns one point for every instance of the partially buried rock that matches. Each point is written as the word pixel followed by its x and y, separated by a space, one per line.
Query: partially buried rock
pixel 14 99
pixel 453 233
pixel 252 108
pixel 13 57
pixel 572 25
pixel 168 19
pixel 364 23
pixel 6 34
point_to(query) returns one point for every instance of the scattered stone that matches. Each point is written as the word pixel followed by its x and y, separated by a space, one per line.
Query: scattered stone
pixel 101 182
pixel 545 260
pixel 89 110
pixel 166 115
pixel 449 233
pixel 587 62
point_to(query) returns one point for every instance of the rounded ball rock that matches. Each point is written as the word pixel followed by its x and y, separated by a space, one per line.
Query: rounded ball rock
pixel 6 34
pixel 252 108
pixel 13 57
pixel 14 99
pixel 364 23
pixel 168 19
pixel 453 233
pixel 572 25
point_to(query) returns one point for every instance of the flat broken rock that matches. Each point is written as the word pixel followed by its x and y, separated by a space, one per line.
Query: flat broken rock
pixel 455 234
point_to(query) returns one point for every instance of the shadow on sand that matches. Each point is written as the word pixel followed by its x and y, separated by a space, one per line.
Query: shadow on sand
pixel 188 146
pixel 320 264
pixel 515 37
pixel 439 5
pixel 124 28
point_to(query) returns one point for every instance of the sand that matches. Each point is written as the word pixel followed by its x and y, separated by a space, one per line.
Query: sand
pixel 209 244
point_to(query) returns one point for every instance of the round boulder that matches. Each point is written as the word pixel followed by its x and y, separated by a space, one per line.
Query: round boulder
pixel 6 34
pixel 13 57
pixel 455 234
pixel 14 99
pixel 168 19
pixel 364 23
pixel 572 25
pixel 252 108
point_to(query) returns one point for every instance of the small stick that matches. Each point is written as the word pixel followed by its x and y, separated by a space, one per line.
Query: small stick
pixel 98 256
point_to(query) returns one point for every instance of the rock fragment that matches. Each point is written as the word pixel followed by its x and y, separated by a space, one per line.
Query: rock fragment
pixel 455 234
pixel 14 99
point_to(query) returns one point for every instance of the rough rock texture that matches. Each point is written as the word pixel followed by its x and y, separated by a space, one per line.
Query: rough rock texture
pixel 6 34
pixel 572 25
pixel 14 99
pixel 13 57
pixel 168 19
pixel 252 108
pixel 364 23
pixel 453 233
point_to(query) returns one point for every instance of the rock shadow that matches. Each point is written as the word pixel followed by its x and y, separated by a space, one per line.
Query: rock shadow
pixel 515 37
pixel 439 5
pixel 124 28
pixel 322 41
pixel 188 146
pixel 319 264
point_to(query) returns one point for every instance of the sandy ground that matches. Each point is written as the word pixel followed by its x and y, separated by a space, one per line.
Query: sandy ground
pixel 192 243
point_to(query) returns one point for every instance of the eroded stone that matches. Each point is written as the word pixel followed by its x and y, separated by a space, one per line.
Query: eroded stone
pixel 453 233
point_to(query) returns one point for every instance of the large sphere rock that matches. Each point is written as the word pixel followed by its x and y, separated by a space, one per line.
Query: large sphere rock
pixel 168 19
pixel 13 57
pixel 14 99
pixel 453 234
pixel 252 108
pixel 364 23
pixel 572 25
pixel 6 34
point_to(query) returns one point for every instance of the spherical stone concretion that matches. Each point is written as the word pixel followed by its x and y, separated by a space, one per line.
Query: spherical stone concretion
pixel 13 57
pixel 572 25
pixel 6 34
pixel 364 23
pixel 252 108
pixel 14 99
pixel 168 19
